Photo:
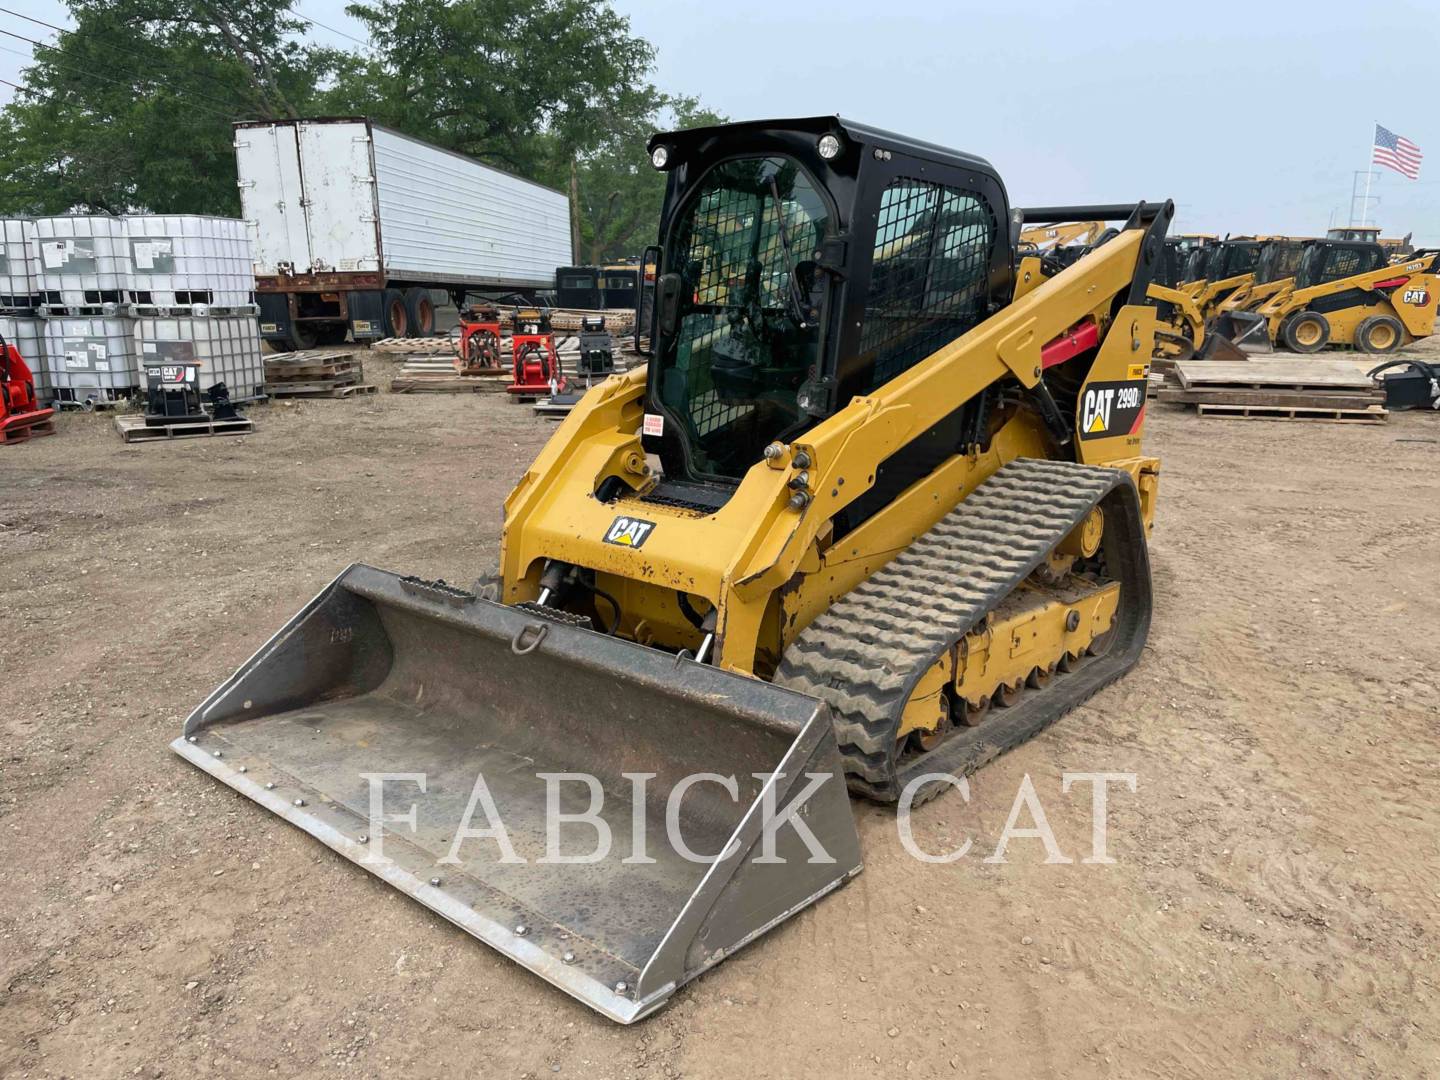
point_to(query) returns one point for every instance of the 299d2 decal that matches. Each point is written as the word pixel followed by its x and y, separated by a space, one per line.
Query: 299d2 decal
pixel 1108 409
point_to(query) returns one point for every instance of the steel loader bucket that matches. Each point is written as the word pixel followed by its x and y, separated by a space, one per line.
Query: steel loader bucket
pixel 383 675
pixel 1225 336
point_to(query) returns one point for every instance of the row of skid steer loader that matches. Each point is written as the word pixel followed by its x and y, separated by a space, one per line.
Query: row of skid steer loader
pixel 1275 269
pixel 875 511
pixel 1340 293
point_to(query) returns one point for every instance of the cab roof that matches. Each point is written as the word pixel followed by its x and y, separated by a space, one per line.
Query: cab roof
pixel 851 131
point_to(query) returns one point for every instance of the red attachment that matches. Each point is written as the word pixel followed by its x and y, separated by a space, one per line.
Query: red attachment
pixel 1390 283
pixel 1080 337
pixel 537 369
pixel 477 350
pixel 20 414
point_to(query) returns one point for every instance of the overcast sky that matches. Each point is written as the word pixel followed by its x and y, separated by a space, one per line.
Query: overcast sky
pixel 1253 117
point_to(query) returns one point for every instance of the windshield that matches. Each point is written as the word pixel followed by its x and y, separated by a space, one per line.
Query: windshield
pixel 1277 262
pixel 740 350
pixel 1241 259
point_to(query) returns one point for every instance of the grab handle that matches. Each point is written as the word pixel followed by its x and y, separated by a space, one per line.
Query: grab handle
pixel 539 629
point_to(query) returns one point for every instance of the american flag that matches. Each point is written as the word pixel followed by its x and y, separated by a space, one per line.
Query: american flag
pixel 1397 152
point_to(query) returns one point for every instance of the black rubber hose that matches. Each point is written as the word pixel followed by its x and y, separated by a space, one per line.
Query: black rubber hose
pixel 595 590
pixel 1419 365
pixel 692 616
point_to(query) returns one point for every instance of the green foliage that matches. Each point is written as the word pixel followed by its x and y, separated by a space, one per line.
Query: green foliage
pixel 619 193
pixel 133 108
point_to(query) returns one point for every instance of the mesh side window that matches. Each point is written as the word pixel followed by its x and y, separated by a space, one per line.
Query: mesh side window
pixel 1342 264
pixel 1289 262
pixel 929 273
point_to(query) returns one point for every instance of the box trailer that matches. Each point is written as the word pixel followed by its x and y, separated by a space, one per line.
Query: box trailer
pixel 354 225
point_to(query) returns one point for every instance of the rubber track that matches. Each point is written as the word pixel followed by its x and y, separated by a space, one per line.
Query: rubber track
pixel 865 654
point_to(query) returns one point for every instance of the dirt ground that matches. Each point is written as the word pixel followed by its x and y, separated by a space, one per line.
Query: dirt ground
pixel 1272 910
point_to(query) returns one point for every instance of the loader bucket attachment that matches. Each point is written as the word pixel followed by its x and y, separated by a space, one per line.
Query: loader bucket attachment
pixel 381 675
pixel 1225 336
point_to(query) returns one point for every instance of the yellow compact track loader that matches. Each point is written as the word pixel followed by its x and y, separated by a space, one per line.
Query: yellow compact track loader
pixel 874 512
pixel 1343 293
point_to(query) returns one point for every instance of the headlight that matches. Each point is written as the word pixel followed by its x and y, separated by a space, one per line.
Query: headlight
pixel 660 157
pixel 829 147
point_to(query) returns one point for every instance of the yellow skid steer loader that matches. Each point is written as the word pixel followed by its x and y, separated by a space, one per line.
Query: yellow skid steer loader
pixel 1274 272
pixel 874 512
pixel 1343 293
pixel 1173 291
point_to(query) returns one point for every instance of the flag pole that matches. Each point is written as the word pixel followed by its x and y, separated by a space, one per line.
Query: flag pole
pixel 1369 175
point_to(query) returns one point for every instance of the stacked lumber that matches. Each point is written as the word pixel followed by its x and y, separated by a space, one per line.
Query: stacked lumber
pixel 562 321
pixel 438 375
pixel 568 319
pixel 409 346
pixel 1277 389
pixel 435 370
pixel 315 373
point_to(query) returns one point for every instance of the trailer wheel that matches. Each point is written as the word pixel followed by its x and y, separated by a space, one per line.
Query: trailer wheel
pixel 1379 334
pixel 397 317
pixel 421 309
pixel 301 337
pixel 1306 332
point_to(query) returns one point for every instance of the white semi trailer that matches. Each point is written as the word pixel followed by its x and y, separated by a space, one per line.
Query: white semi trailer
pixel 354 225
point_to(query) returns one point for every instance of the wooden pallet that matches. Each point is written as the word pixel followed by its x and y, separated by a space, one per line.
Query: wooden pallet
pixel 134 429
pixel 448 384
pixel 320 390
pixel 293 387
pixel 1278 399
pixel 1374 414
pixel 1261 373
pixel 21 432
pixel 306 367
pixel 313 357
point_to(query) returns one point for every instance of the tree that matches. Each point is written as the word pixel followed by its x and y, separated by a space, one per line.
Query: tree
pixel 555 90
pixel 619 193
pixel 132 109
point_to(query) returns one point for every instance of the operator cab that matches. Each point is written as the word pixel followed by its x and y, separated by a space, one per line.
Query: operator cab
pixel 1328 260
pixel 1369 234
pixel 1232 258
pixel 802 263
pixel 1279 259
